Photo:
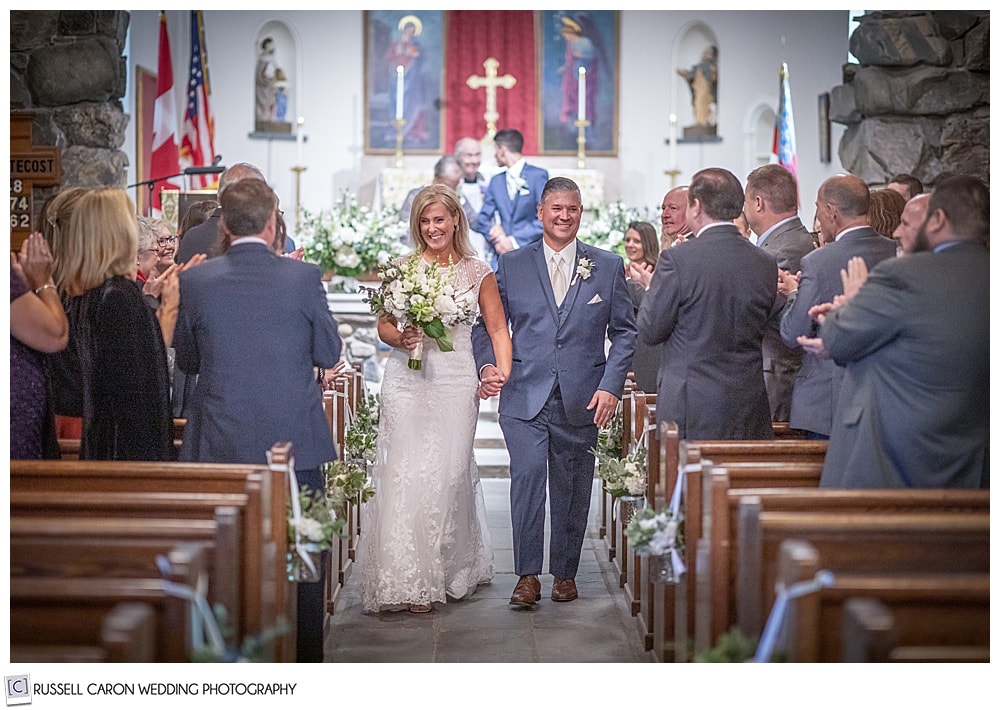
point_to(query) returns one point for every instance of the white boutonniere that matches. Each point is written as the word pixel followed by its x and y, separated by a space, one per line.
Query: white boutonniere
pixel 522 186
pixel 584 267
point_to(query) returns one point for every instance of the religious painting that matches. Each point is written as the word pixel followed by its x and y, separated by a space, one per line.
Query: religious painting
pixel 404 80
pixel 578 80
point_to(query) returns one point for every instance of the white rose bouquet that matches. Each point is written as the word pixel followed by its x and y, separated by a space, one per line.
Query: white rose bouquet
pixel 416 293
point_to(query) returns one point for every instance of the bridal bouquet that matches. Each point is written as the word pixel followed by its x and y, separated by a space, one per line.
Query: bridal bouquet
pixel 416 293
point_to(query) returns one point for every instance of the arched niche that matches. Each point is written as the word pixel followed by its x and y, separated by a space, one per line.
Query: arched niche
pixel 758 135
pixel 276 72
pixel 695 49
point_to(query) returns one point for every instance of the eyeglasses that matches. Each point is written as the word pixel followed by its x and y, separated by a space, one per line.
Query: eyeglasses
pixel 164 241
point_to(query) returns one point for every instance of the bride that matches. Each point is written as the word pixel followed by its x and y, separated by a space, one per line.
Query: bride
pixel 425 528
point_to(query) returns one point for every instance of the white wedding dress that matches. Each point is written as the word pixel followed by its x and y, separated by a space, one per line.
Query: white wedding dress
pixel 425 529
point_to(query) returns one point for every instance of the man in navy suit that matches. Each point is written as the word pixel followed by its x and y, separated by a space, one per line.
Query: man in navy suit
pixel 509 216
pixel 563 300
pixel 252 325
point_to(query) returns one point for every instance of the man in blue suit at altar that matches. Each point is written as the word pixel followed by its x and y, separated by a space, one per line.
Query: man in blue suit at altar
pixel 509 215
pixel 563 300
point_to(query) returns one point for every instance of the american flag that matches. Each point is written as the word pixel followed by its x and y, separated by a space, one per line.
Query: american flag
pixel 784 126
pixel 197 142
pixel 163 157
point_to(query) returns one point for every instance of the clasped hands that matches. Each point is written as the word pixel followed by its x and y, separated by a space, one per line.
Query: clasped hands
pixel 491 380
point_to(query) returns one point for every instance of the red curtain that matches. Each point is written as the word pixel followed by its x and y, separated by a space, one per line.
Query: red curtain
pixel 508 36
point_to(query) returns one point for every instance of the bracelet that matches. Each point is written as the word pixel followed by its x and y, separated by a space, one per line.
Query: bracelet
pixel 38 291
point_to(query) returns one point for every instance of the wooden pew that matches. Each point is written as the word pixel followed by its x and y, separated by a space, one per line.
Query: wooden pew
pixel 934 615
pixel 225 506
pixel 869 542
pixel 639 588
pixel 729 486
pixel 608 510
pixel 691 458
pixel 627 562
pixel 70 616
pixel 663 611
pixel 127 635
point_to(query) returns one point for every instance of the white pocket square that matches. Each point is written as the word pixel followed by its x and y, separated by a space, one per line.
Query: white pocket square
pixel 596 299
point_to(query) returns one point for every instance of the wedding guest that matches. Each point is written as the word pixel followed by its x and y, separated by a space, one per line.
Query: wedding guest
pixel 907 185
pixel 509 214
pixel 710 300
pixel 38 325
pixel 123 384
pixel 910 222
pixel 253 325
pixel 426 527
pixel 197 213
pixel 673 217
pixel 642 248
pixel 884 210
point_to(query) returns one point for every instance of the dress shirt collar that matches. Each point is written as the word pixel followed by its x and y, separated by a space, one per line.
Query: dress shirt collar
pixel 568 254
pixel 850 229
pixel 767 233
pixel 248 240
pixel 515 169
pixel 710 225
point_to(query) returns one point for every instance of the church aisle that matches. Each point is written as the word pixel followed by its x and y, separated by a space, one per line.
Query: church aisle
pixel 596 628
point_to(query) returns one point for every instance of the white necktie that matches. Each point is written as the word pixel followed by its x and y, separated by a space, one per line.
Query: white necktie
pixel 511 185
pixel 558 279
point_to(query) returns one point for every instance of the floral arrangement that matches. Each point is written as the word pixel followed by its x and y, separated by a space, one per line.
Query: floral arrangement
pixel 317 524
pixel 416 293
pixel 359 439
pixel 623 476
pixel 609 436
pixel 584 267
pixel 609 224
pixel 650 533
pixel 347 480
pixel 351 239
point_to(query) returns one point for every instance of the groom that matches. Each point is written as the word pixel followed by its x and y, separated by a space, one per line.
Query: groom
pixel 562 299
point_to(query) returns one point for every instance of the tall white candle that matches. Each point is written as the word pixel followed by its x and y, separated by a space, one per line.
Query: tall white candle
pixel 399 92
pixel 673 141
pixel 581 106
pixel 300 138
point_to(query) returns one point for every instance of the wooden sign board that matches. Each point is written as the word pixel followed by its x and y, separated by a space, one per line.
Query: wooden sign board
pixel 30 165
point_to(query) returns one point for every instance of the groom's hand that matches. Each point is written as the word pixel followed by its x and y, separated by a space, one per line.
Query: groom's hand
pixel 490 382
pixel 604 405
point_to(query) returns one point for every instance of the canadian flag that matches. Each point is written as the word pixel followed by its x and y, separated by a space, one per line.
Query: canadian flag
pixel 164 162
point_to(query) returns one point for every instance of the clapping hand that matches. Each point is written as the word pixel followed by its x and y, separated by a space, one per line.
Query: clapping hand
pixel 787 281
pixel 853 277
pixel 333 375
pixel 34 262
pixel 640 272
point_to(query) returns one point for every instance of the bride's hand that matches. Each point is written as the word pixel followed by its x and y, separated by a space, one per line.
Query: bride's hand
pixel 410 337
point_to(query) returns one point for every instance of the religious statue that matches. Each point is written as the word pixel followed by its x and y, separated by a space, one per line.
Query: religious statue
pixel 703 80
pixel 269 80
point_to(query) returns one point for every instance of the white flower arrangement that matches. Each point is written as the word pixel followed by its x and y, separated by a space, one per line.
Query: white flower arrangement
pixel 584 267
pixel 416 293
pixel 623 476
pixel 351 239
pixel 650 533
pixel 609 224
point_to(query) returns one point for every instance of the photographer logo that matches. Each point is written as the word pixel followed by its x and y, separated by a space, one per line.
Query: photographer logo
pixel 18 689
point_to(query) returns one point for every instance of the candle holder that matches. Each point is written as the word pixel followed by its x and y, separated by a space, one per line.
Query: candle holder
pixel 673 173
pixel 298 170
pixel 581 142
pixel 399 123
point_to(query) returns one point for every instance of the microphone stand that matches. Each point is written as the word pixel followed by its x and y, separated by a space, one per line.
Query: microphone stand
pixel 151 183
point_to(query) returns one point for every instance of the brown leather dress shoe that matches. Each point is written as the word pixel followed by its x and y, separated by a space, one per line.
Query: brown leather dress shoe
pixel 563 590
pixel 527 592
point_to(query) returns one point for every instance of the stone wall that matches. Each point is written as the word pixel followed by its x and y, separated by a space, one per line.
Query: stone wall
pixel 918 101
pixel 68 68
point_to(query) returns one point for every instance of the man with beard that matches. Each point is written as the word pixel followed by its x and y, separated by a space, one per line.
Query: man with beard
pixel 910 222
pixel 914 339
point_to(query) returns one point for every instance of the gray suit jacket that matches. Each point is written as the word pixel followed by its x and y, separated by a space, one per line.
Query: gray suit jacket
pixel 914 410
pixel 201 239
pixel 253 325
pixel 564 345
pixel 709 301
pixel 788 243
pixel 818 381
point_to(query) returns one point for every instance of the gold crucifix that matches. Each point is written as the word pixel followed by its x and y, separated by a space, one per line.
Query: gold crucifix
pixel 490 82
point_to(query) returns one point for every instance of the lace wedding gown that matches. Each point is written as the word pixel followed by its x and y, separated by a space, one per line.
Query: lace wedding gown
pixel 425 528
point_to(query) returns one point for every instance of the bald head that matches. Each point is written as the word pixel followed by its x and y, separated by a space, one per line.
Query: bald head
pixel 673 215
pixel 240 171
pixel 910 221
pixel 842 203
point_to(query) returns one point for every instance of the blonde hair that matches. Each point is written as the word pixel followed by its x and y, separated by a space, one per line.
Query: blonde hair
pixel 449 198
pixel 102 241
